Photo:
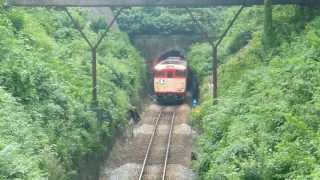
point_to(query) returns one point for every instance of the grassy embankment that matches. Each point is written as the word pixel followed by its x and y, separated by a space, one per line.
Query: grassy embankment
pixel 266 124
pixel 46 123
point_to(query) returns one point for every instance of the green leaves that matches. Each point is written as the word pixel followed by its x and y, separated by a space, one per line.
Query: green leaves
pixel 46 124
pixel 266 125
pixel 19 140
pixel 168 20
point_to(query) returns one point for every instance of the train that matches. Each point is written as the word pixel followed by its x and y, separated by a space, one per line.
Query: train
pixel 170 79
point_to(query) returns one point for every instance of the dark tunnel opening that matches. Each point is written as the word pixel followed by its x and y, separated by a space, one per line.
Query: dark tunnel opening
pixel 172 53
pixel 193 85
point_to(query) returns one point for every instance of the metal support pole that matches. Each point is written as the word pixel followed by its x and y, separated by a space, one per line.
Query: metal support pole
pixel 214 46
pixel 214 72
pixel 77 26
pixel 94 78
pixel 229 26
pixel 268 29
pixel 215 60
pixel 108 28
pixel 94 48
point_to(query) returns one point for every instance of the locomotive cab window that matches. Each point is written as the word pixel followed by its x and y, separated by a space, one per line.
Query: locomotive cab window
pixel 159 74
pixel 180 74
pixel 169 74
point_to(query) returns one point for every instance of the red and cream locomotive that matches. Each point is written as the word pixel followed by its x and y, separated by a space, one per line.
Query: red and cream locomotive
pixel 170 80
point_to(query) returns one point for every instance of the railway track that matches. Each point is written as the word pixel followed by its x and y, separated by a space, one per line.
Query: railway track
pixel 153 155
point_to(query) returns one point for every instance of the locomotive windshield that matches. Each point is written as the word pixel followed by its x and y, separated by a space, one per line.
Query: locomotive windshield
pixel 169 74
pixel 159 74
pixel 180 74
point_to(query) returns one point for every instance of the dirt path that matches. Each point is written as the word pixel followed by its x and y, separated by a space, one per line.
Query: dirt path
pixel 126 159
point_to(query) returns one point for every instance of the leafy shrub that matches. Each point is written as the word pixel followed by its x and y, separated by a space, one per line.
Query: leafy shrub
pixel 241 40
pixel 45 93
pixel 168 20
pixel 20 139
pixel 265 125
pixel 98 24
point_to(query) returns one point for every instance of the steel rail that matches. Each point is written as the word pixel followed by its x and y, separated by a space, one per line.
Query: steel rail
pixel 149 145
pixel 168 146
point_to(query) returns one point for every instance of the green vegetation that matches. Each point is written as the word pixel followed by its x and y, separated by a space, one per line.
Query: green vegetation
pixel 46 124
pixel 266 124
pixel 168 20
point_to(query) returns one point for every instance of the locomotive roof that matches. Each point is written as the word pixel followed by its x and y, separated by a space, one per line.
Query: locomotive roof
pixel 171 63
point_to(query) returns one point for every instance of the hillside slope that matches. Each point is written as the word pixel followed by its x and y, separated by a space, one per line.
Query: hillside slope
pixel 266 124
pixel 46 124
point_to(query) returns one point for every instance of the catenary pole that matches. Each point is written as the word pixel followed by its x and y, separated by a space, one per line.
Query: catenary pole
pixel 93 48
pixel 214 46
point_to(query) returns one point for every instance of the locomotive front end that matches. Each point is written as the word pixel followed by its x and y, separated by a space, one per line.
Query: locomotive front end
pixel 170 80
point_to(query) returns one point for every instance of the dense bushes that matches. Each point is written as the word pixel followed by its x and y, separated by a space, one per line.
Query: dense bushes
pixel 20 138
pixel 46 122
pixel 266 125
pixel 167 20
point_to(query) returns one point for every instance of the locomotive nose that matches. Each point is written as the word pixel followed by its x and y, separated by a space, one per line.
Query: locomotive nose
pixel 170 80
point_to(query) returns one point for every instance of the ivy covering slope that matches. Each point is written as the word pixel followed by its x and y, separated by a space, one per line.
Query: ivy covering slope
pixel 46 123
pixel 266 124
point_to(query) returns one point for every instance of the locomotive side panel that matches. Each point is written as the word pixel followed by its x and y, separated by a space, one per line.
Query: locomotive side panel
pixel 170 85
